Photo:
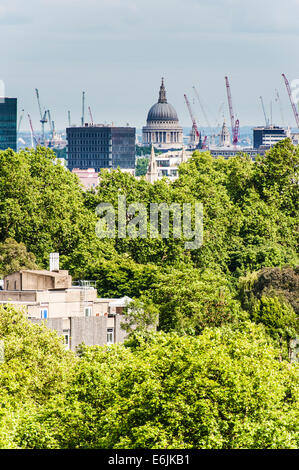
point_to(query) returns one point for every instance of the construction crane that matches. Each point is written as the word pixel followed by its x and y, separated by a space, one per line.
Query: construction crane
pixel 83 108
pixel 263 107
pixel 277 99
pixel 291 100
pixel 234 124
pixel 204 143
pixel 43 116
pixel 202 108
pixel 69 118
pixel 194 125
pixel 52 128
pixel 32 133
pixel 91 118
pixel 20 120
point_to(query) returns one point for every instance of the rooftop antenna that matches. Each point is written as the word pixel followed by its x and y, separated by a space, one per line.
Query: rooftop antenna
pixel 69 118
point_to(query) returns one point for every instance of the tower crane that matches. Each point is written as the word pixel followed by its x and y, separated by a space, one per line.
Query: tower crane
pixel 202 108
pixel 277 99
pixel 32 132
pixel 266 119
pixel 43 116
pixel 20 120
pixel 194 125
pixel 91 118
pixel 52 128
pixel 291 100
pixel 234 124
pixel 69 118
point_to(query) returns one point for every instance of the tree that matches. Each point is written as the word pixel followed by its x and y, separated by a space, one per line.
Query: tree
pixel 222 390
pixel 42 204
pixel 14 257
pixel 35 368
pixel 279 318
pixel 141 166
pixel 140 317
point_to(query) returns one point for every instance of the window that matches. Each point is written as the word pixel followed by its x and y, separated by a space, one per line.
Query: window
pixel 66 334
pixel 87 311
pixel 110 335
pixel 44 313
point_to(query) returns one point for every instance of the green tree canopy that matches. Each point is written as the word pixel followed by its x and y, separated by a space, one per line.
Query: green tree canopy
pixel 222 390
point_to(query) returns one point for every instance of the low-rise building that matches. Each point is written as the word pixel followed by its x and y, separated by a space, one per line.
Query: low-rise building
pixel 89 178
pixel 72 309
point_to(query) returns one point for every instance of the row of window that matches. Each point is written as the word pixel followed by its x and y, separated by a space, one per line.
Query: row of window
pixel 66 333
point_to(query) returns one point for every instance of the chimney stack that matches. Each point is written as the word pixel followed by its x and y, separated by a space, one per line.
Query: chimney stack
pixel 54 262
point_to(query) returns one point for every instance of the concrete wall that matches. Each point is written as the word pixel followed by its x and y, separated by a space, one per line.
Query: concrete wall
pixel 37 280
pixel 88 330
pixel 119 334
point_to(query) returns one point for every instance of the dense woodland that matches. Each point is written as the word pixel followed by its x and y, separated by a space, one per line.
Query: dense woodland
pixel 219 372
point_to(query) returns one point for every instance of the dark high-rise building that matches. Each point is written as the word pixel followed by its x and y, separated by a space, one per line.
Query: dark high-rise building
pixel 99 146
pixel 268 136
pixel 8 123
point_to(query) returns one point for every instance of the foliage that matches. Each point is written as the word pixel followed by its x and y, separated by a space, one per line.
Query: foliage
pixel 42 204
pixel 222 390
pixel 270 282
pixel 279 318
pixel 36 368
pixel 14 257
pixel 141 166
pixel 140 317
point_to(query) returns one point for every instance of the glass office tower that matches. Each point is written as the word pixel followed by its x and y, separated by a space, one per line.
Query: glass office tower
pixel 8 123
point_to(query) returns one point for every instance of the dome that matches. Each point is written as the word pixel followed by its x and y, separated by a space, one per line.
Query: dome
pixel 162 111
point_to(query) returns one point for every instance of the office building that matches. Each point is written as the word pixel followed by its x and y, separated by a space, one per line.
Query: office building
pixel 266 137
pixel 8 123
pixel 100 146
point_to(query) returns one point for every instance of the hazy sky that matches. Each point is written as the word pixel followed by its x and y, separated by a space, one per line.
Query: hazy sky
pixel 118 50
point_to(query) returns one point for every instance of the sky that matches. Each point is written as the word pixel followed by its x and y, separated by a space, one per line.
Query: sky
pixel 118 50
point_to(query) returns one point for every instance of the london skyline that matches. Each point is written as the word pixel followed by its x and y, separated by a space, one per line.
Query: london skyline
pixel 117 52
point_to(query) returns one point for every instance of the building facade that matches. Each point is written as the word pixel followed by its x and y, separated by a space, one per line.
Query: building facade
pixel 8 123
pixel 266 137
pixel 162 125
pixel 166 165
pixel 72 309
pixel 100 146
pixel 89 178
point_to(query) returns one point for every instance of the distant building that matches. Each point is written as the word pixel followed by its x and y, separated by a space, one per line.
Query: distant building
pixel 162 125
pixel 89 178
pixel 8 123
pixel 72 309
pixel 166 165
pixel 224 136
pixel 99 146
pixel 266 137
pixel 228 152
